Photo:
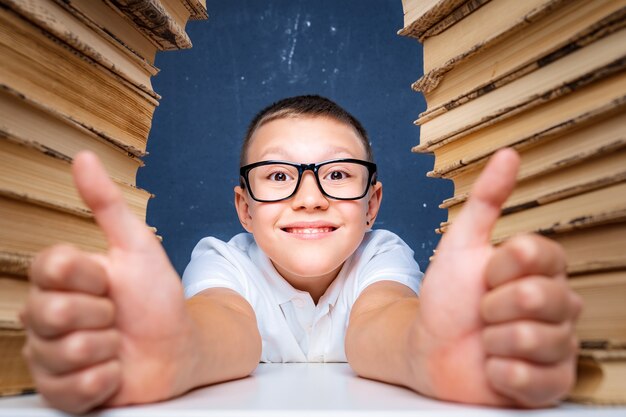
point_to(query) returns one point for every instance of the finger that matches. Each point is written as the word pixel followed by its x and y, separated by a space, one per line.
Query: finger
pixel 482 209
pixel 531 340
pixel 65 268
pixel 577 305
pixel 75 351
pixel 104 198
pixel 536 298
pixel 51 314
pixel 525 255
pixel 531 385
pixel 80 391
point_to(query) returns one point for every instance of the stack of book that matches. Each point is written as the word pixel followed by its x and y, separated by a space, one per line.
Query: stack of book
pixel 547 78
pixel 74 75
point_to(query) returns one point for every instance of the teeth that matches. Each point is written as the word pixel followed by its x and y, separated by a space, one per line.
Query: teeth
pixel 309 230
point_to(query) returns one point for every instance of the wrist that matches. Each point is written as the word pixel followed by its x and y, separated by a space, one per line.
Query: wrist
pixel 420 377
pixel 189 361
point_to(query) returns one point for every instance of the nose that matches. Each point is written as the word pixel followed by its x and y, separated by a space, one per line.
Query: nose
pixel 309 196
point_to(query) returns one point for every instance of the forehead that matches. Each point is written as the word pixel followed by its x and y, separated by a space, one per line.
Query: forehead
pixel 305 139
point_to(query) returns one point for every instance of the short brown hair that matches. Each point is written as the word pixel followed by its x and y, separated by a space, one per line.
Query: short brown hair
pixel 304 106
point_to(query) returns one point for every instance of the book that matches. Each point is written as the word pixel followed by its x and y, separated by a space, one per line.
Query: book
pixel 601 373
pixel 548 150
pixel 421 15
pixel 593 102
pixel 27 228
pixel 471 34
pixel 600 206
pixel 13 294
pixel 107 18
pixel 163 21
pixel 597 61
pixel 75 75
pixel 603 318
pixel 547 79
pixel 33 174
pixel 578 178
pixel 44 127
pixel 594 249
pixel 572 26
pixel 14 374
pixel 84 35
pixel 55 75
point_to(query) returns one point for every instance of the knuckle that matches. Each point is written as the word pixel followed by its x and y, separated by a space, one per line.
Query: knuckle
pixel 27 353
pixel 574 345
pixel 577 304
pixel 524 248
pixel 52 265
pixel 525 338
pixel 57 313
pixel 58 394
pixel 90 384
pixel 78 349
pixel 566 333
pixel 530 298
pixel 520 376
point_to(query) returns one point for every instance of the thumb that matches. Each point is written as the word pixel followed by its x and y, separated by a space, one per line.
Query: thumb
pixel 121 228
pixel 480 212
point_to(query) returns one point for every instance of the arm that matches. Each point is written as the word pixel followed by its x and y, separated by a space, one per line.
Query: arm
pixel 228 344
pixel 493 325
pixel 378 342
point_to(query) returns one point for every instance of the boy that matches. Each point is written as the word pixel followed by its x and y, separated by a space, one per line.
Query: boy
pixel 491 326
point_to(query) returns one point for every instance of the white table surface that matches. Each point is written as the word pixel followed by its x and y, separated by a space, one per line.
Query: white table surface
pixel 303 389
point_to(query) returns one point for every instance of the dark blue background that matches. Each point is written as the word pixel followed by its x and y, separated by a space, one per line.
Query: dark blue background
pixel 252 53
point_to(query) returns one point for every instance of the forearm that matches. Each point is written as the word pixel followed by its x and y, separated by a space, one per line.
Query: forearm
pixel 224 344
pixel 383 344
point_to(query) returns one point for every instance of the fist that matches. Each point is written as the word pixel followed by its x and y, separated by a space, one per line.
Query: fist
pixel 72 343
pixel 529 313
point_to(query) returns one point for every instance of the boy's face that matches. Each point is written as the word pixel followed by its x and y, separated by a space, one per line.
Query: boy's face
pixel 334 228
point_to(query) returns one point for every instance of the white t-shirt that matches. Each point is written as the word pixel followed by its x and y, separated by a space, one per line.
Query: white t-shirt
pixel 292 327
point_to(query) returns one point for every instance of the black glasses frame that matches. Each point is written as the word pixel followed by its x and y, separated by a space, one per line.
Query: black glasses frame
pixel 245 170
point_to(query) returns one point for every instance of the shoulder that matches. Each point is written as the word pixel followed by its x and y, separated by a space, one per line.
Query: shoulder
pixel 216 263
pixel 383 255
pixel 239 244
pixel 381 241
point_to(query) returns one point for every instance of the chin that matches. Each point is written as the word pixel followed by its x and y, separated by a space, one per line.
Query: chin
pixel 308 267
pixel 308 270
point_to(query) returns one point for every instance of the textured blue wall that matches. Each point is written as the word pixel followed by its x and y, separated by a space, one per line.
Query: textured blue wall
pixel 251 53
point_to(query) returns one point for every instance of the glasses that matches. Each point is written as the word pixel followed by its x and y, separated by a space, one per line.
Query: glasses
pixel 339 179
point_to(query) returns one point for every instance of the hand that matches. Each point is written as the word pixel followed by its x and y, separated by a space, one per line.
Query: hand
pixel 105 328
pixel 497 324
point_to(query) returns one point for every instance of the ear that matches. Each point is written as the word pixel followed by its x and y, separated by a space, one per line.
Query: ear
pixel 243 208
pixel 373 204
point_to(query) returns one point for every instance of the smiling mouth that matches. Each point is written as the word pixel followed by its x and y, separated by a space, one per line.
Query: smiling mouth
pixel 308 230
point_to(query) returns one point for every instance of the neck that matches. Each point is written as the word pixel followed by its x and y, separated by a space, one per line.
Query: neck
pixel 315 286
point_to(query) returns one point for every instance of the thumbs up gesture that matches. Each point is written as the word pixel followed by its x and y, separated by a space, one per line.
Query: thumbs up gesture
pixel 105 329
pixel 497 323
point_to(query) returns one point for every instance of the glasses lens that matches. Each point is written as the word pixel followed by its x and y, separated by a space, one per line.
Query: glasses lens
pixel 272 182
pixel 344 179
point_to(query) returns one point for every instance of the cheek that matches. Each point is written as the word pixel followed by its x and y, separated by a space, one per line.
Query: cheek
pixel 353 212
pixel 264 216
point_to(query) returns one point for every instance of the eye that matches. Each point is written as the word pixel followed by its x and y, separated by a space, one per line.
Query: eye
pixel 279 176
pixel 337 175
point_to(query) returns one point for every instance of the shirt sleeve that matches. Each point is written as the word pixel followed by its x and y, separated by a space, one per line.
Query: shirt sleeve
pixel 386 257
pixel 213 264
